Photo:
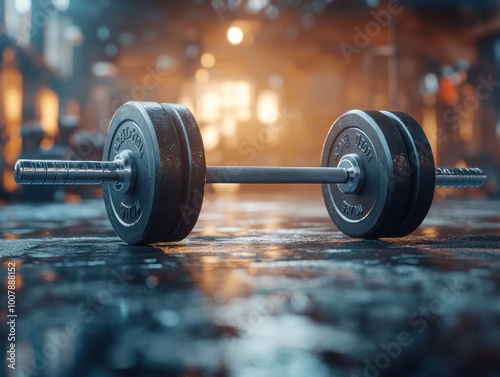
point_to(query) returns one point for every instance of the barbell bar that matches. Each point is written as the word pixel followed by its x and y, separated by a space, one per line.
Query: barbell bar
pixel 61 172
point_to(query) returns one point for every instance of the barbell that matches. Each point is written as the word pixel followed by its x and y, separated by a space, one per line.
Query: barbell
pixel 377 173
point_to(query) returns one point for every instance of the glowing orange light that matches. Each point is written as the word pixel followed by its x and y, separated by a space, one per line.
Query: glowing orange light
pixel 202 75
pixel 48 105
pixel 211 137
pixel 11 95
pixel 267 107
pixel 207 60
pixel 235 35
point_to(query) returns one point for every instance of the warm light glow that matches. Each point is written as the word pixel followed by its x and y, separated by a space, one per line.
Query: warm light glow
pixel 226 188
pixel 11 87
pixel 48 107
pixel 243 92
pixel 229 126
pixel 235 35
pixel 429 124
pixel 267 107
pixel 11 95
pixel 207 60
pixel 236 96
pixel 206 274
pixel 202 75
pixel 211 137
pixel 215 101
pixel 208 107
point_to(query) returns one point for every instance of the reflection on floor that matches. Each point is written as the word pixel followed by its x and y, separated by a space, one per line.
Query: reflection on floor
pixel 264 286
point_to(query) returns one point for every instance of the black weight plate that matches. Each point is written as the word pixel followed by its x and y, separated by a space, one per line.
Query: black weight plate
pixel 194 169
pixel 151 212
pixel 378 206
pixel 422 173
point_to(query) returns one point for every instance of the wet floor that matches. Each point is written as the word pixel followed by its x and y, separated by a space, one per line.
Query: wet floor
pixel 264 286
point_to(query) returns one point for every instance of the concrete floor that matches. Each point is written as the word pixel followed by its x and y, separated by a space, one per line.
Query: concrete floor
pixel 264 286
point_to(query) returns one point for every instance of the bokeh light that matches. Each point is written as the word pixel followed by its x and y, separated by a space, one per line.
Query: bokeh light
pixel 235 35
pixel 207 60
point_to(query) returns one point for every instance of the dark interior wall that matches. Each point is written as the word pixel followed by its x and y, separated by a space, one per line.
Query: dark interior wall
pixel 331 60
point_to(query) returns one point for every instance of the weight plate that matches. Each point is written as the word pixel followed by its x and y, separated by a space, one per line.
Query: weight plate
pixel 422 173
pixel 152 210
pixel 194 169
pixel 376 208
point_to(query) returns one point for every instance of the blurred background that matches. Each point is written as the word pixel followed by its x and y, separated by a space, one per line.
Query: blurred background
pixel 265 79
